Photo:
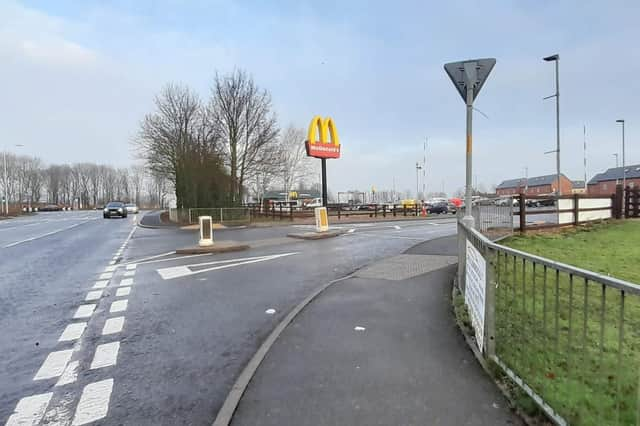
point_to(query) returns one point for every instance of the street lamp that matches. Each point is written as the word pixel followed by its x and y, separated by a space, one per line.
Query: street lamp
pixel 556 58
pixel 624 165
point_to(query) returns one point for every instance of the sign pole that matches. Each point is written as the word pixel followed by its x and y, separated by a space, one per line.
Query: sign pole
pixel 324 182
pixel 468 198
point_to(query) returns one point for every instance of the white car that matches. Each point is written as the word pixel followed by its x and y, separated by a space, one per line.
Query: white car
pixel 131 208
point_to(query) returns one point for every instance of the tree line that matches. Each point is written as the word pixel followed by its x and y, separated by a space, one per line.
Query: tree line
pixel 80 185
pixel 225 149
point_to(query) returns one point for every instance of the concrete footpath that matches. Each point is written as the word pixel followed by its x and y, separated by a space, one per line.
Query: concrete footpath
pixel 379 348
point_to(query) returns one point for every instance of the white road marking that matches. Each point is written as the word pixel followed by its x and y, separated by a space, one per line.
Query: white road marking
pixel 29 410
pixel 110 268
pixel 113 326
pixel 397 227
pixel 352 230
pixel 123 291
pixel 101 284
pixel 398 237
pixel 54 365
pixel 132 267
pixel 70 374
pixel 72 332
pixel 182 271
pixel 129 273
pixel 358 328
pixel 119 306
pixel 43 235
pixel 270 311
pixel 113 262
pixel 106 355
pixel 105 276
pixel 154 257
pixel 84 311
pixel 126 281
pixel 94 402
pixel 93 295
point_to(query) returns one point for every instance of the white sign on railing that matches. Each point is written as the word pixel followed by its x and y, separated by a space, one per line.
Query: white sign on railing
pixel 475 286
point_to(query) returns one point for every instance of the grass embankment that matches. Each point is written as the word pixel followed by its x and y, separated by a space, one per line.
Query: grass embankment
pixel 575 342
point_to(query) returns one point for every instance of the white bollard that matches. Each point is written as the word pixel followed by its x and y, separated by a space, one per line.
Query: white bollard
pixel 206 231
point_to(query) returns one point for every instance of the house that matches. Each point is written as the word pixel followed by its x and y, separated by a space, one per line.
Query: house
pixel 579 187
pixel 605 183
pixel 538 185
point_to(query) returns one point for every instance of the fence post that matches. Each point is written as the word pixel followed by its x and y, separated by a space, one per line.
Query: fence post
pixel 281 211
pixel 576 209
pixel 221 216
pixel 273 212
pixel 394 210
pixel 291 211
pixel 619 199
pixel 490 304
pixel 339 209
pixel 522 204
pixel 404 209
pixel 384 210
pixel 375 210
pixel 415 206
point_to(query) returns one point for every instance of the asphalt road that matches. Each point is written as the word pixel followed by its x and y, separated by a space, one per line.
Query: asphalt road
pixel 101 324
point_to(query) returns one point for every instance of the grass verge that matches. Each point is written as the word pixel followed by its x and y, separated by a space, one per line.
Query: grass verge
pixel 574 341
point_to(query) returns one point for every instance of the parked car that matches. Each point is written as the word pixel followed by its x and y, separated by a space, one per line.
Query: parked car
pixel 50 208
pixel 439 208
pixel 131 208
pixel 452 207
pixel 114 208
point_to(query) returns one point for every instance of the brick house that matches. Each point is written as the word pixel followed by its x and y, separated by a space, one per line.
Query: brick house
pixel 538 185
pixel 605 183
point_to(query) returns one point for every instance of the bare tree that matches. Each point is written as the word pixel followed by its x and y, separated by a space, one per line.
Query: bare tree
pixel 243 118
pixel 295 166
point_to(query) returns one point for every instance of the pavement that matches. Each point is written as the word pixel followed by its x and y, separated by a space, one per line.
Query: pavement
pixel 379 348
pixel 103 324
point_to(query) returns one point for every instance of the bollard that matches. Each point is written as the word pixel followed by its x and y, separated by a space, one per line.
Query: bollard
pixel 206 231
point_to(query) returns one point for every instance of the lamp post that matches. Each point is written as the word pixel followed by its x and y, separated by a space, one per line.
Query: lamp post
pixel 556 58
pixel 624 165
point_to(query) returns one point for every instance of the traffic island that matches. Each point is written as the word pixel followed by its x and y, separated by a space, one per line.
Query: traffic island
pixel 316 235
pixel 217 247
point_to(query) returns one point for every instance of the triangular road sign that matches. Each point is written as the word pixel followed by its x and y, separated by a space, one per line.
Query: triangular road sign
pixel 473 72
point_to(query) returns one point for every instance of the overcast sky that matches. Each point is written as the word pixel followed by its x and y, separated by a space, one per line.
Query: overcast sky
pixel 77 77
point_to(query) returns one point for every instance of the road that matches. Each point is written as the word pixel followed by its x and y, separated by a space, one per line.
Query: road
pixel 101 324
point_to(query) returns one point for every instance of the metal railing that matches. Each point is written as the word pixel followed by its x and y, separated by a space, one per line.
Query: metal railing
pixel 494 221
pixel 569 337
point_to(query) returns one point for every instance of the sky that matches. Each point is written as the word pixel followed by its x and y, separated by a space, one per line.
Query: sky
pixel 77 78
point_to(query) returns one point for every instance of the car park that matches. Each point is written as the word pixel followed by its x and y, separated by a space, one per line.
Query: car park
pixel 114 209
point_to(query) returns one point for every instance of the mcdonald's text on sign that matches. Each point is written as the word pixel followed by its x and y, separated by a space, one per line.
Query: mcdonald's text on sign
pixel 318 144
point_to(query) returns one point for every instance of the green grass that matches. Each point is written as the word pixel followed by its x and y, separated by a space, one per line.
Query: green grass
pixel 609 249
pixel 575 343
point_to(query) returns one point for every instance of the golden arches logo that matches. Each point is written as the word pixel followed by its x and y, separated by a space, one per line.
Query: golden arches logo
pixel 321 147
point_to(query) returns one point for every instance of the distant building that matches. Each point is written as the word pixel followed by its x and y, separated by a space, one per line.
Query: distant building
pixel 579 187
pixel 538 185
pixel 605 183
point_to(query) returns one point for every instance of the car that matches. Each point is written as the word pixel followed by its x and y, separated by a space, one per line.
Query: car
pixel 114 208
pixel 452 207
pixel 438 207
pixel 131 208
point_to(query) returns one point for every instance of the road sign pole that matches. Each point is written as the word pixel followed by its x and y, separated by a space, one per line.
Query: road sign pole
pixel 468 199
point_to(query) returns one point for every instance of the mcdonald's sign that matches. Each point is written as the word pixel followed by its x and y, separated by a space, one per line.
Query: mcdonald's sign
pixel 320 146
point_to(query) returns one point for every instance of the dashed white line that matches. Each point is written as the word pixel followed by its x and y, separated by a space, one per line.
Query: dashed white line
pixel 113 326
pixel 119 306
pixel 94 402
pixel 126 281
pixel 113 262
pixel 105 276
pixel 106 355
pixel 101 284
pixel 110 268
pixel 129 273
pixel 70 374
pixel 54 365
pixel 93 295
pixel 72 332
pixel 123 291
pixel 84 311
pixel 29 410
pixel 132 267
